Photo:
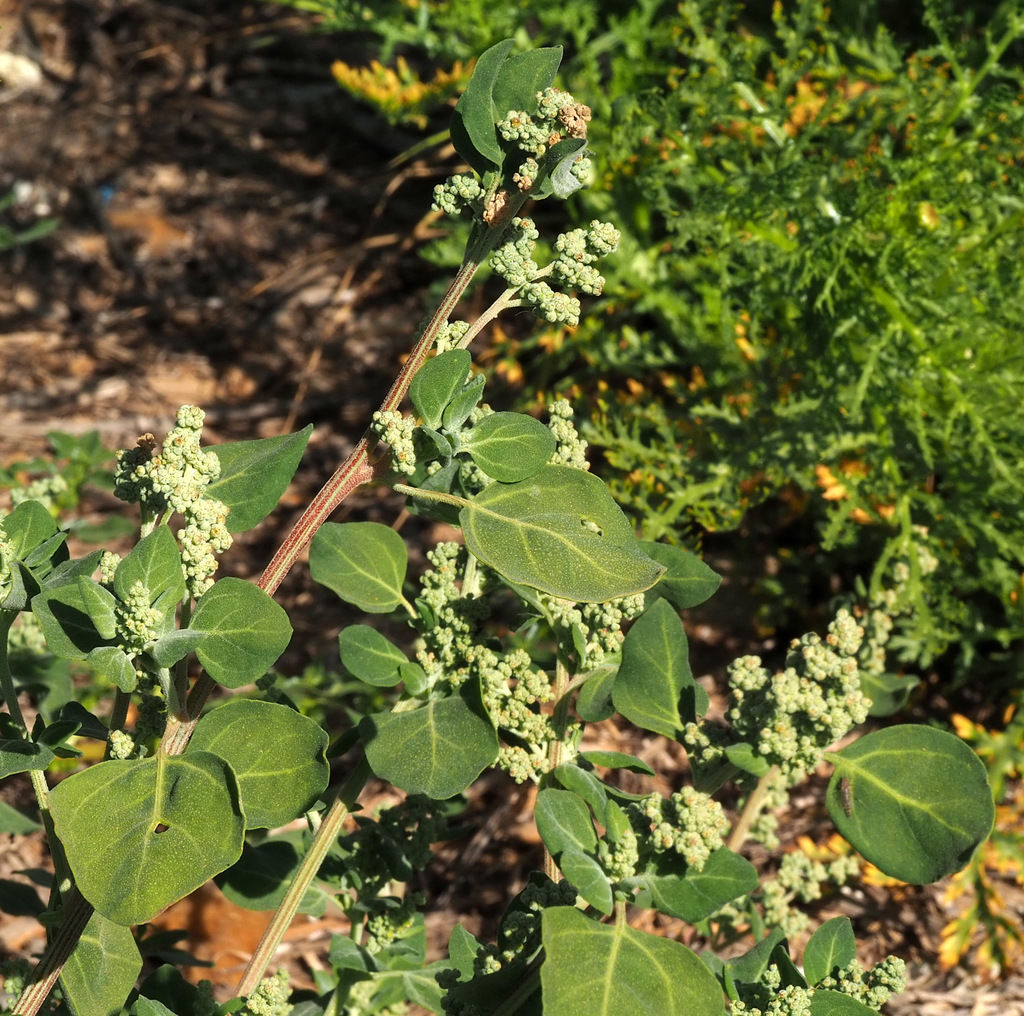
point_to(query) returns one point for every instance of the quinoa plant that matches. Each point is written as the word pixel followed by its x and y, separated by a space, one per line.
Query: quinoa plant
pixel 546 614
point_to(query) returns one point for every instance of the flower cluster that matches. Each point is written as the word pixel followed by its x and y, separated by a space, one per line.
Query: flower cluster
pixel 619 858
pixel 270 998
pixel 789 1001
pixel 392 919
pixel 204 535
pixel 551 305
pixel 578 250
pixel 792 717
pixel 396 430
pixel 137 620
pixel 597 627
pixel 457 194
pixel 570 448
pixel 802 878
pixel 513 259
pixel 121 744
pixel 872 987
pixel 451 335
pixel 46 490
pixel 688 823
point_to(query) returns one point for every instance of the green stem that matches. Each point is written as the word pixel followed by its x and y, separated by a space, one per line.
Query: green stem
pixel 438 496
pixel 755 802
pixel 10 693
pixel 324 839
pixel 560 721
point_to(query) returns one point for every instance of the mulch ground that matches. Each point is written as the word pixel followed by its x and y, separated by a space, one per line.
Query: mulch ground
pixel 230 234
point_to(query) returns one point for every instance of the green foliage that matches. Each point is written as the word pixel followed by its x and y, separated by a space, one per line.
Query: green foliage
pixel 509 634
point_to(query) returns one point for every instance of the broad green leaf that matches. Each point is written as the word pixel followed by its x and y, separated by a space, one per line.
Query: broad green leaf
pixel 588 877
pixel 827 1002
pixel 473 130
pixel 593 969
pixel 687 581
pixel 438 749
pixel 522 76
pixel 254 475
pixel 259 879
pixel 617 760
pixel 14 821
pixel 27 526
pixel 155 561
pixel 246 631
pixel 744 758
pixel 436 384
pixel 20 756
pixel 463 403
pixel 463 947
pixel 112 663
pixel 140 834
pixel 655 688
pixel 371 657
pixel 918 799
pixel 676 889
pixel 509 446
pixel 560 532
pixel 586 785
pixel 174 646
pixel 832 946
pixel 564 822
pixel 101 970
pixel 276 754
pixel 888 692
pixel 748 968
pixel 99 605
pixel 64 616
pixel 362 562
pixel 594 702
pixel 167 992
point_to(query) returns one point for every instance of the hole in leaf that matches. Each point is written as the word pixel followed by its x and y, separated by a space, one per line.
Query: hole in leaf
pixel 592 527
pixel 161 828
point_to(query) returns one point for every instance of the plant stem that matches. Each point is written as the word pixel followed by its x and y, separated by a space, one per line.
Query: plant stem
pixel 755 802
pixel 318 849
pixel 560 721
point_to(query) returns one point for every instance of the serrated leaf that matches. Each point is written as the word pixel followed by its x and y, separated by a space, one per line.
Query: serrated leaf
pixel 560 532
pixel 437 382
pixel 833 946
pixel 254 475
pixel 588 877
pixel 509 446
pixel 564 822
pixel 140 834
pixel 655 688
pixel 687 581
pixel 277 756
pixel 473 130
pixel 369 656
pixel 593 969
pixel 438 749
pixel 364 563
pixel 918 799
pixel 100 973
pixel 246 631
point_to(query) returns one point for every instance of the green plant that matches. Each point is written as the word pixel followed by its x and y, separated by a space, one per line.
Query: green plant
pixel 520 641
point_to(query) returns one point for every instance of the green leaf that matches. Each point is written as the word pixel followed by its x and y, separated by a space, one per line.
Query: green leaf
pixel 655 688
pixel 617 760
pixel 594 702
pixel 687 581
pixel 364 563
pixel 560 532
pixel 155 561
pixel 588 877
pixel 63 614
pixel 254 475
pixel 140 834
pixel 438 749
pixel 112 663
pixel 564 822
pixel 833 946
pixel 437 382
pixel 101 970
pixel 509 446
pixel 277 756
pixel 918 799
pixel 744 758
pixel 473 130
pixel 28 526
pixel 679 890
pixel 826 1002
pixel 457 411
pixel 261 876
pixel 522 76
pixel 888 692
pixel 371 657
pixel 593 969
pixel 20 756
pixel 554 174
pixel 175 646
pixel 14 821
pixel 18 899
pixel 585 784
pixel 99 605
pixel 246 631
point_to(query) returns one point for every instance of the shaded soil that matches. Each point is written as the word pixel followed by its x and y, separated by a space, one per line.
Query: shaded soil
pixel 230 234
